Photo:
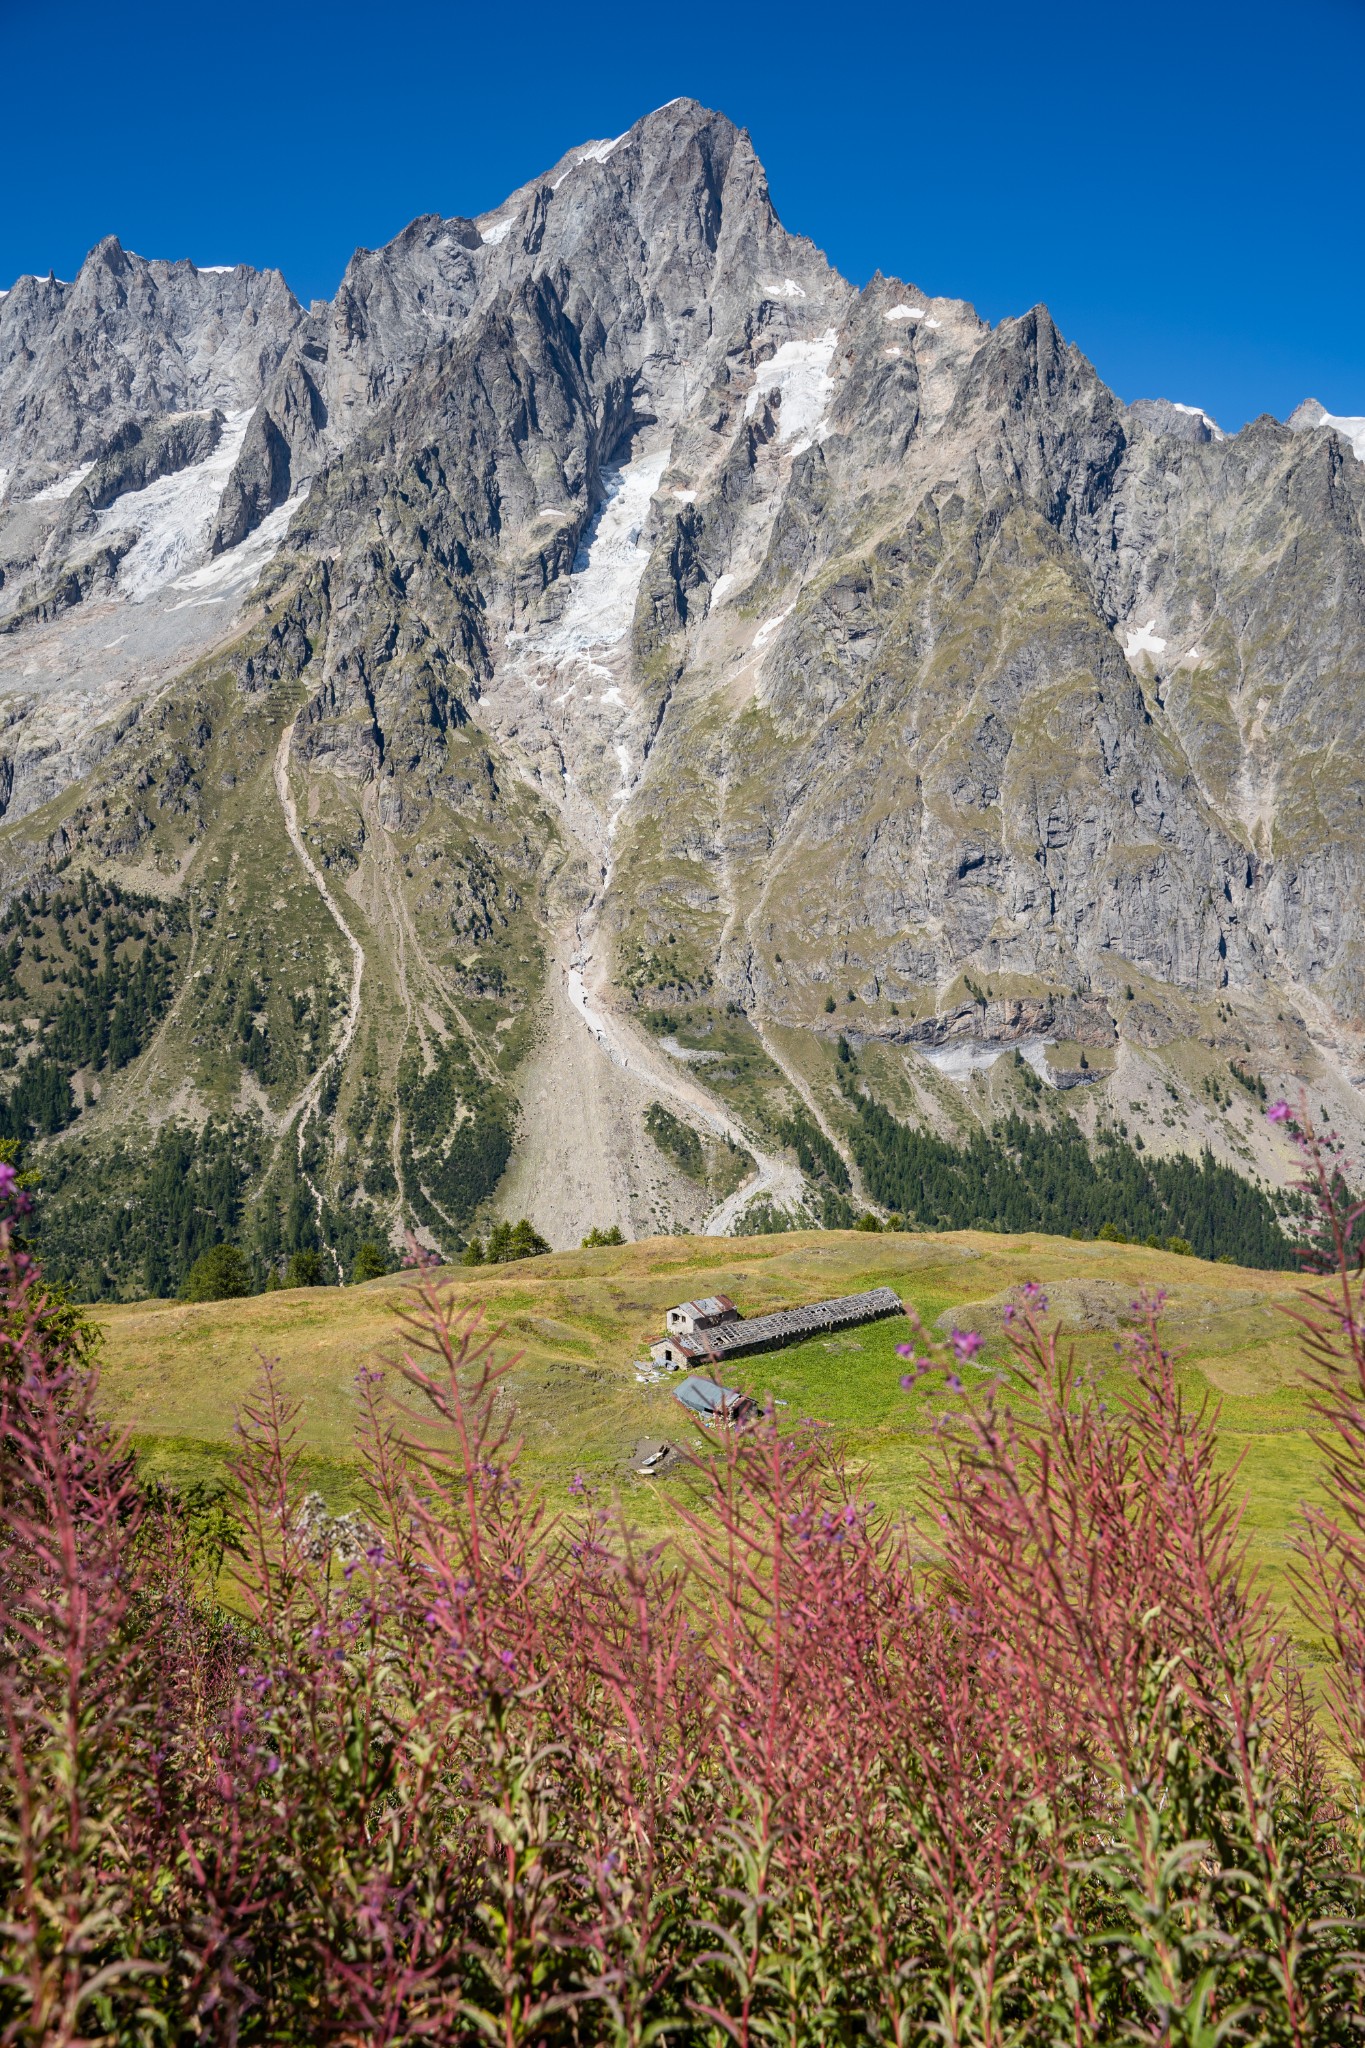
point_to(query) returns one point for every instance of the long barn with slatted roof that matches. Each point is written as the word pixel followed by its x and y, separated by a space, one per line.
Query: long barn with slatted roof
pixel 734 1336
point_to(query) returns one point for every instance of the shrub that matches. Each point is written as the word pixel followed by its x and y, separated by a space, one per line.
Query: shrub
pixel 508 1241
pixel 765 1218
pixel 677 1140
pixel 1045 1767
pixel 222 1273
pixel 369 1264
pixel 820 1160
pixel 305 1269
pixel 597 1237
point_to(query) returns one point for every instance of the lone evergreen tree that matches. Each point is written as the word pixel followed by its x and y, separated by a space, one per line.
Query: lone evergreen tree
pixel 219 1274
pixel 305 1269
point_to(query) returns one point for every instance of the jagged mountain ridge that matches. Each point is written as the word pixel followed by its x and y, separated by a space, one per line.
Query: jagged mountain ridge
pixel 644 624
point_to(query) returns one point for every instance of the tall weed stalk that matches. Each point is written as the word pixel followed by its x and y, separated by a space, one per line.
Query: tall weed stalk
pixel 1041 1764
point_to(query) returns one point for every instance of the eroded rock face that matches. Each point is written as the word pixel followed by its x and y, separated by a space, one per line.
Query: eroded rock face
pixel 618 555
pixel 128 339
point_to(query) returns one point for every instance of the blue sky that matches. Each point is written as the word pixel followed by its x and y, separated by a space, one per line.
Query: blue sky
pixel 1181 184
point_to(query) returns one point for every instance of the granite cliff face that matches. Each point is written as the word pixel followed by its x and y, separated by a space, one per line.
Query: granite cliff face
pixel 558 688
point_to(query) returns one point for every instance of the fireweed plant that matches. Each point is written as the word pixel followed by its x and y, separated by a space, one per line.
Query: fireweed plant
pixel 1041 1766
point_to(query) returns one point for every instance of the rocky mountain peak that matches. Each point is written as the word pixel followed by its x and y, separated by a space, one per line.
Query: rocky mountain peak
pixel 1310 415
pixel 128 338
pixel 1180 422
pixel 600 622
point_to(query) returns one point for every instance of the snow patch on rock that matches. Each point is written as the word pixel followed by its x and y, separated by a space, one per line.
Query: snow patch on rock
pixel 566 685
pixel 607 569
pixel 1351 428
pixel 52 494
pixel 598 152
pixel 772 627
pixel 1143 640
pixel 224 578
pixel 904 313
pixel 1197 412
pixel 800 371
pixel 173 517
pixel 497 231
pixel 591 153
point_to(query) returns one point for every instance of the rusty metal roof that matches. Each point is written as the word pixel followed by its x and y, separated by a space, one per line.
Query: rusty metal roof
pixel 709 1305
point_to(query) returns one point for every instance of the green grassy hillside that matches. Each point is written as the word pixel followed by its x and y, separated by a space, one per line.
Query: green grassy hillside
pixel 176 1374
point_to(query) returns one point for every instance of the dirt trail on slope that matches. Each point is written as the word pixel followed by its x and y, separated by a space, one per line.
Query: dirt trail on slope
pixel 635 1052
pixel 305 1102
pixel 309 1093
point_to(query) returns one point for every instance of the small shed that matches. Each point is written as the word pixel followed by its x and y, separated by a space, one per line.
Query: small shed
pixel 673 1352
pixel 714 1403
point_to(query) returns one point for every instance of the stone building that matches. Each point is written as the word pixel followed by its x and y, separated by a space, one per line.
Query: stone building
pixel 707 1314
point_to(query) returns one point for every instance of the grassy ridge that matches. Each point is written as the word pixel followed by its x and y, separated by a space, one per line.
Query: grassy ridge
pixel 176 1373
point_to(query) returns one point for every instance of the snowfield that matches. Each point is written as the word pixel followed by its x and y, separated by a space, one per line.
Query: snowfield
pixel 1143 640
pixel 174 516
pixel 1350 428
pixel 800 371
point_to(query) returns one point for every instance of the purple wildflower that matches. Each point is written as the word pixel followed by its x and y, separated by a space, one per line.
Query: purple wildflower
pixel 1278 1112
pixel 966 1343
